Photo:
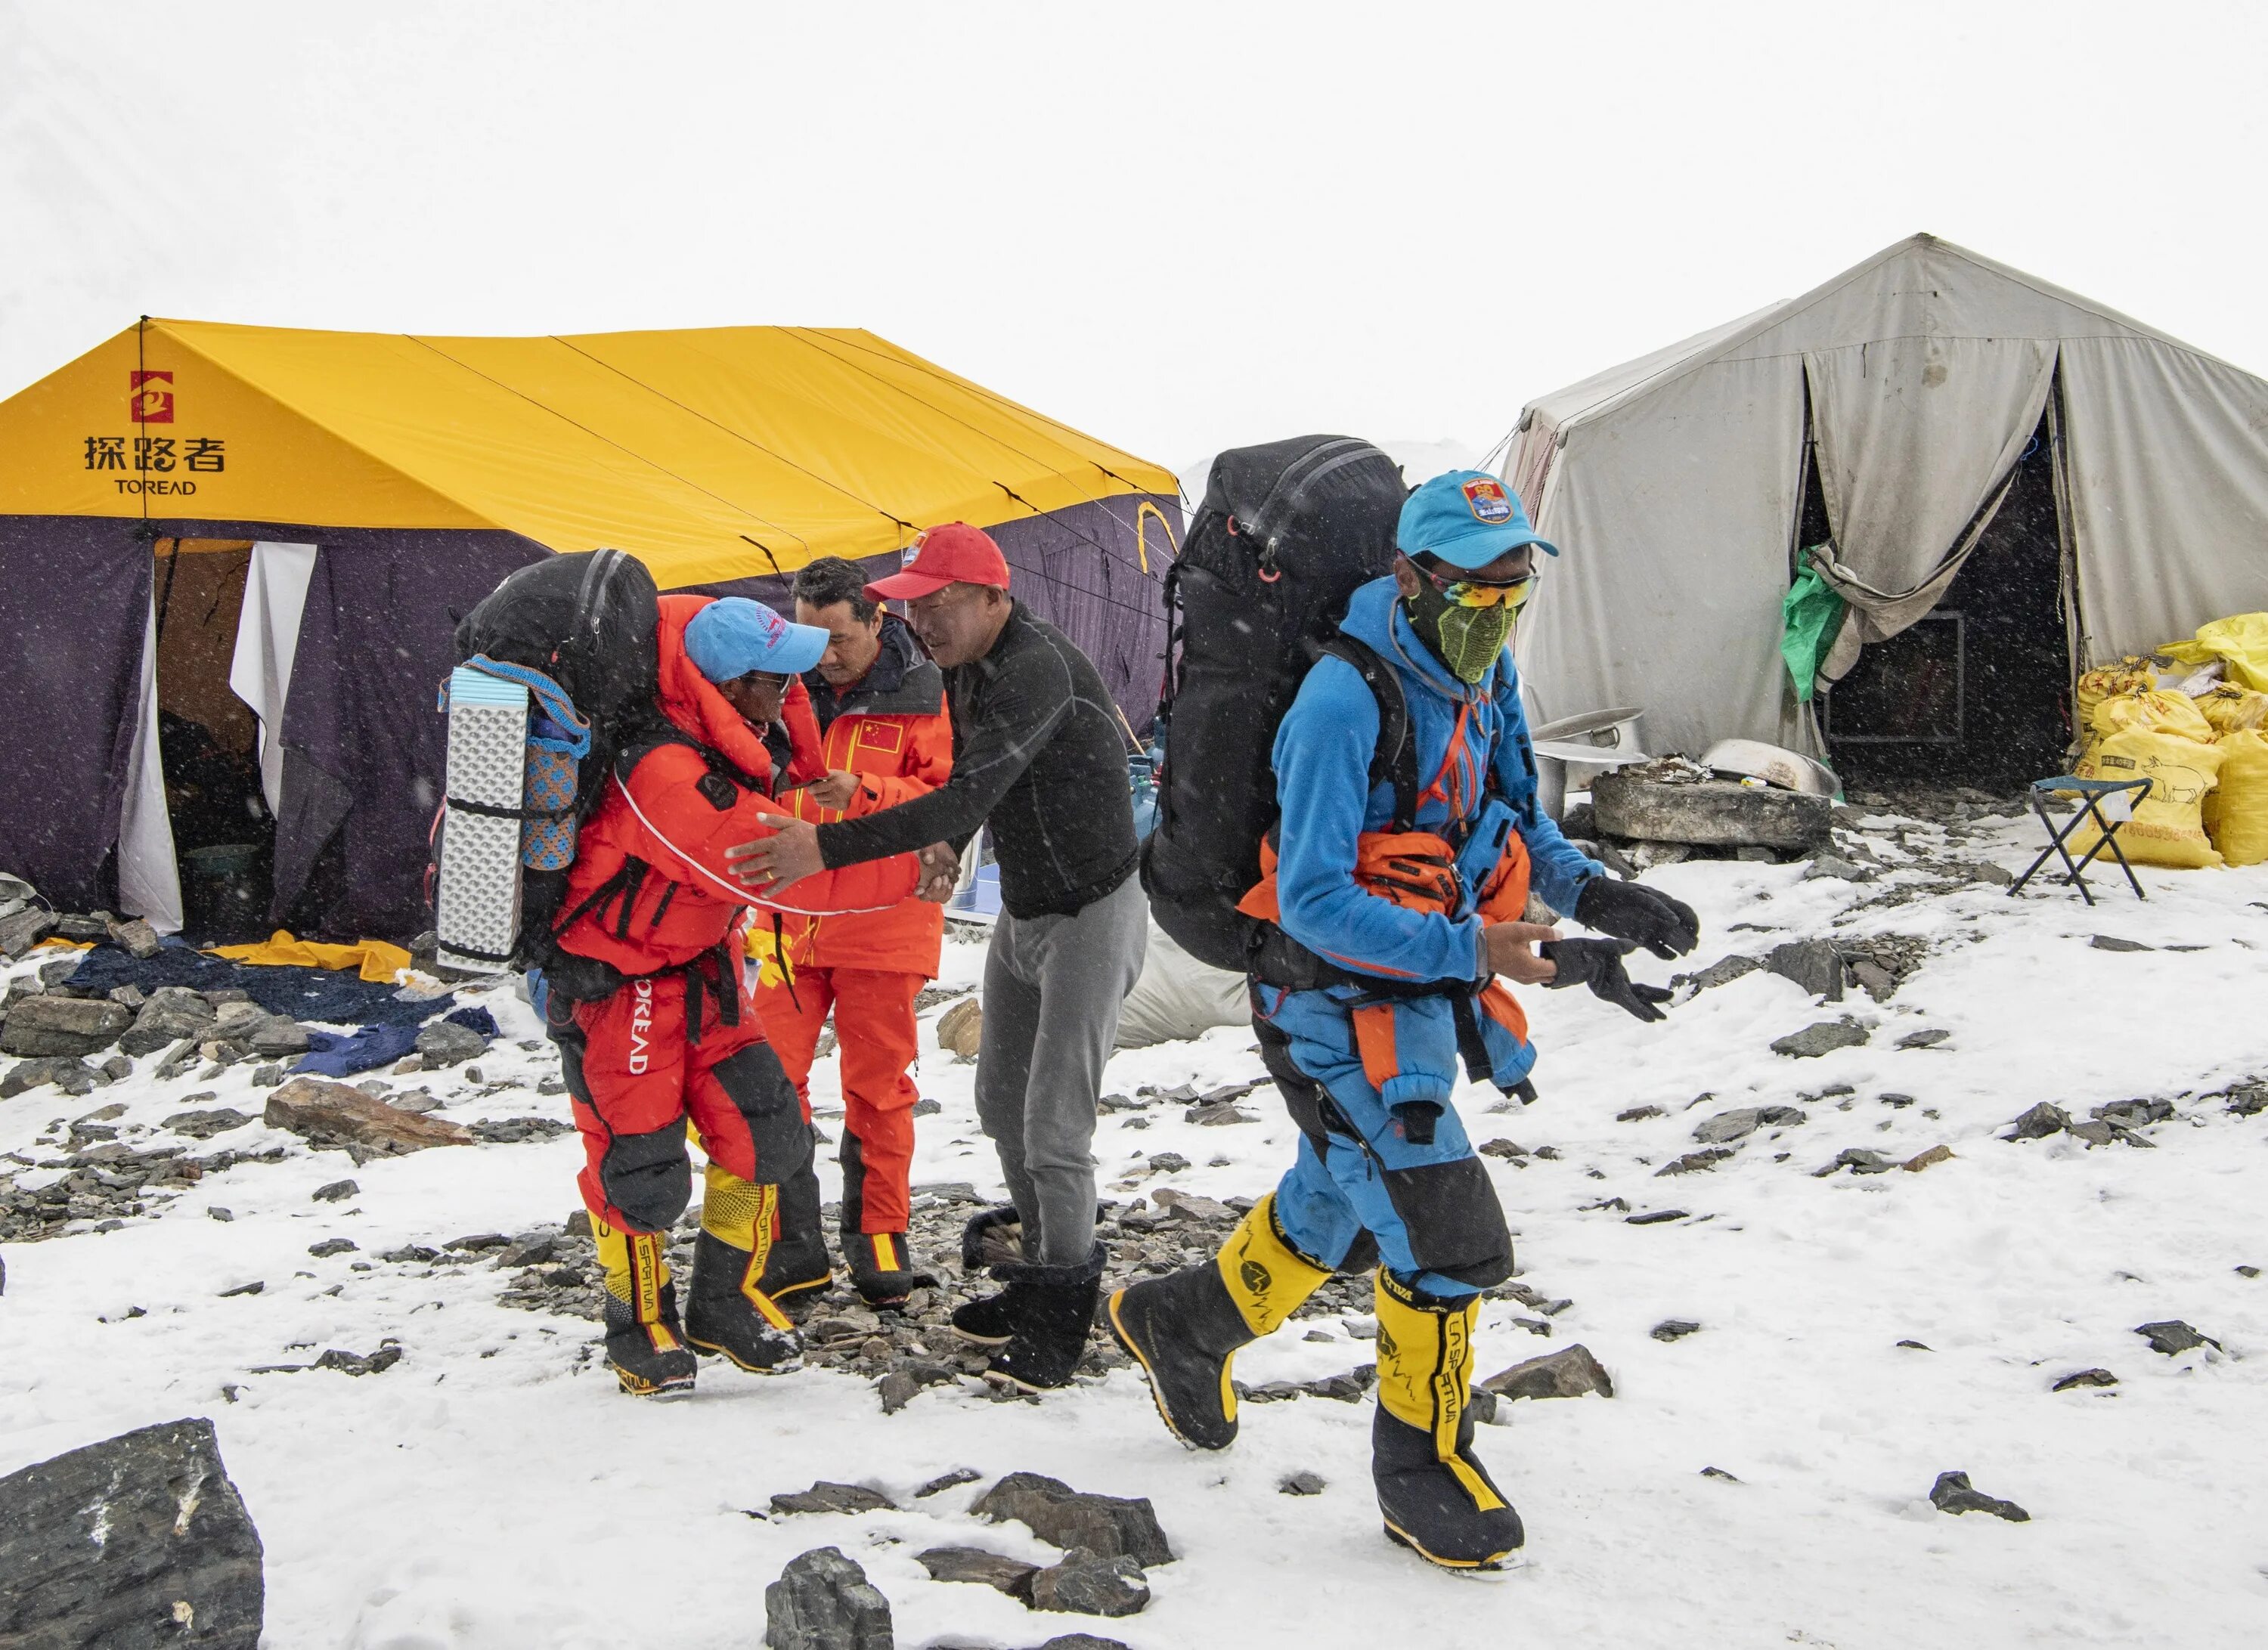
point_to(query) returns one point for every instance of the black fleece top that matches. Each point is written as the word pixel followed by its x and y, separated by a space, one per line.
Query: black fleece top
pixel 1038 755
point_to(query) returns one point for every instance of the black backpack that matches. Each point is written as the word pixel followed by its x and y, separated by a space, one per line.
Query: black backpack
pixel 1285 533
pixel 587 620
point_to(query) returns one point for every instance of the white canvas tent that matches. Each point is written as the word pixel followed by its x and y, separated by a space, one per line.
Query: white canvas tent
pixel 1914 383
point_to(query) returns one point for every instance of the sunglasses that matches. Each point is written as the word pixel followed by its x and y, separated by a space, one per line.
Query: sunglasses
pixel 1473 593
pixel 764 681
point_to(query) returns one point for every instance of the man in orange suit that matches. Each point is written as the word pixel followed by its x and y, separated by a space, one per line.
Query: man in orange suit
pixel 887 739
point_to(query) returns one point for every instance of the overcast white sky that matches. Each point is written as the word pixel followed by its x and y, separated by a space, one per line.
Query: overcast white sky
pixel 1178 226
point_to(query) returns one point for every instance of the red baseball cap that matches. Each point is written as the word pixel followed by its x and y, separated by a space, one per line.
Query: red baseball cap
pixel 955 553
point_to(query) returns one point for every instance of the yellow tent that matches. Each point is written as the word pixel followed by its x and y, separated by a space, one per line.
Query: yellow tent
pixel 367 488
pixel 702 452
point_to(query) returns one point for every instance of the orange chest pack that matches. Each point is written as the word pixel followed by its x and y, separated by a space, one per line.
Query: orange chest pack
pixel 1417 870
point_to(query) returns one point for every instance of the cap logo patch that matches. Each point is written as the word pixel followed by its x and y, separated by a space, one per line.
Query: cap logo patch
pixel 1488 501
pixel 911 554
pixel 772 625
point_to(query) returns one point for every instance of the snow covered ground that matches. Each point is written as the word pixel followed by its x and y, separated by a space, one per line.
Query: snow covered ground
pixel 492 1489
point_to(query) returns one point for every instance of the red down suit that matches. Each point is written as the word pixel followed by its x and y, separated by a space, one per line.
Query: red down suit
pixel 650 894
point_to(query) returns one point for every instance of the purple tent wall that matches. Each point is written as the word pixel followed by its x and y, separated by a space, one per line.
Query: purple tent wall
pixel 74 610
pixel 364 748
pixel 1079 569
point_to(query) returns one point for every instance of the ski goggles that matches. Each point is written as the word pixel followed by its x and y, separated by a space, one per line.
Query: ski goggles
pixel 1473 593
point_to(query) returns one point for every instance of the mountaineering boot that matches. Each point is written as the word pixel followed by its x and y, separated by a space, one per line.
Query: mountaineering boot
pixel 1184 1329
pixel 645 1344
pixel 1437 1499
pixel 994 1240
pixel 724 1310
pixel 880 1268
pixel 1052 1314
pixel 795 1269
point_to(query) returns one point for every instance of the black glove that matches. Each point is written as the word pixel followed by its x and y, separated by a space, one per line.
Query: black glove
pixel 1629 910
pixel 1598 963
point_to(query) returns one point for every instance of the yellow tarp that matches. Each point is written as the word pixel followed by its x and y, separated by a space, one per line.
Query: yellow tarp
pixel 710 454
pixel 379 962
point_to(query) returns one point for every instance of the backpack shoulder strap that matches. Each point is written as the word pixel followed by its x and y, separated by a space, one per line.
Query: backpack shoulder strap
pixel 1395 760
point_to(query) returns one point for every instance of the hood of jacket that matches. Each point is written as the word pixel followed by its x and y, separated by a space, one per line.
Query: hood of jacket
pixel 1374 617
pixel 691 701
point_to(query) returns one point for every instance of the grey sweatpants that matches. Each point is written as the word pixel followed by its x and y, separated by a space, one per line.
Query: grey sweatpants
pixel 1053 986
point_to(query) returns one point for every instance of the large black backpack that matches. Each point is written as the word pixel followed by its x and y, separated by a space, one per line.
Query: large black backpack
pixel 588 621
pixel 1285 533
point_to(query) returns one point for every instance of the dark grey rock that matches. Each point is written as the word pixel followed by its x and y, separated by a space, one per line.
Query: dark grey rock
pixel 2249 1099
pixel 171 1015
pixel 1859 1161
pixel 1639 1114
pixel 1169 1162
pixel 444 1043
pixel 1723 971
pixel 2086 1378
pixel 333 1245
pixel 25 1075
pixel 279 1035
pixel 2040 1122
pixel 2112 942
pixel 1012 1576
pixel 1813 964
pixel 1674 1328
pixel 1087 1583
pixel 1825 866
pixel 1872 977
pixel 1719 1472
pixel 346 1363
pixel 945 1481
pixel 2095 1133
pixel 52 1025
pixel 1928 1039
pixel 117 1068
pixel 1569 1373
pixel 1306 1483
pixel 1728 1125
pixel 2133 1114
pixel 529 1249
pixel 823 1496
pixel 513 1131
pixel 22 929
pixel 927 1107
pixel 823 1601
pixel 1639 802
pixel 335 1191
pixel 1082 1641
pixel 1656 1216
pixel 2172 1337
pixel 1111 1526
pixel 202 1125
pixel 1707 1158
pixel 1953 1494
pixel 137 937
pixel 140 1540
pixel 1822 1037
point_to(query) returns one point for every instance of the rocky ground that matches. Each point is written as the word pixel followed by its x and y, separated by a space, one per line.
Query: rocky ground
pixel 1925 1208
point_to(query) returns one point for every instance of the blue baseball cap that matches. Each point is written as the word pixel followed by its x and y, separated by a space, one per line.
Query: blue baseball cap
pixel 733 636
pixel 1467 519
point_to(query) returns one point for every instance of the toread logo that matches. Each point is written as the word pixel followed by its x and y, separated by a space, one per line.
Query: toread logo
pixel 150 397
pixel 1488 501
pixel 911 554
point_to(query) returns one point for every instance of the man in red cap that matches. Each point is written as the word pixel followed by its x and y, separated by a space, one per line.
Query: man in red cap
pixel 1038 756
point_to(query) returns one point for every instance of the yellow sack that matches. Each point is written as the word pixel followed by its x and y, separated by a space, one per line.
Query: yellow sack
pixel 2161 711
pixel 2237 809
pixel 2230 709
pixel 379 962
pixel 2168 828
pixel 2243 640
pixel 2133 674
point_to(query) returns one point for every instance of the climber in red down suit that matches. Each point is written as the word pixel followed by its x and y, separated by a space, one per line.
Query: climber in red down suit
pixel 652 1012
